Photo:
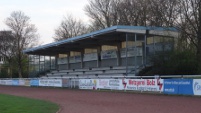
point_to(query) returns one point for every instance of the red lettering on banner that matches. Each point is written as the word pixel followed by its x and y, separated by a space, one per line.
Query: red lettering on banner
pixel 150 82
pixel 137 83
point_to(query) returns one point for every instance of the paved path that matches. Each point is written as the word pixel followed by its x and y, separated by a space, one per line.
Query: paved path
pixel 79 101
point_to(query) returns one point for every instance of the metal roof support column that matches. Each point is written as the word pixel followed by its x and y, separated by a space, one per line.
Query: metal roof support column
pixel 98 56
pixel 119 46
pixel 68 56
pixel 82 57
pixel 39 64
pixel 50 63
pixel 145 47
pixel 135 54
pixel 126 54
pixel 56 62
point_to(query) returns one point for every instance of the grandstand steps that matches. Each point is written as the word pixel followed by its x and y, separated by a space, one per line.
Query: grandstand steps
pixel 117 71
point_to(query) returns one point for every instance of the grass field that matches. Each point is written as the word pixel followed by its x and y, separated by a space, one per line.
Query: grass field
pixel 14 104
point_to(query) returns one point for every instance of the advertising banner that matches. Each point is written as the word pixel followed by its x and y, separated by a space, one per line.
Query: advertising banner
pixel 50 82
pixel 8 82
pixel 74 59
pixel 58 83
pixel 132 51
pixel 43 82
pixel 87 84
pixel 115 84
pixel 21 82
pixel 27 82
pixel 178 86
pixel 62 60
pixel 185 86
pixel 77 59
pixel 143 84
pixel 90 57
pixel 54 83
pixel 108 54
pixel 170 87
pixel 15 82
pixel 65 82
pixel 197 86
pixel 34 82
pixel 3 82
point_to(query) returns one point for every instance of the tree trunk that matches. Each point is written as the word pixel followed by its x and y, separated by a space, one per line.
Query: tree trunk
pixel 20 65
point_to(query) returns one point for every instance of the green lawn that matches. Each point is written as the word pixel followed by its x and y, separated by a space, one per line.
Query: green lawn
pixel 14 104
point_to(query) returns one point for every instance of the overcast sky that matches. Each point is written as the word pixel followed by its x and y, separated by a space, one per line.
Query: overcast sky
pixel 45 14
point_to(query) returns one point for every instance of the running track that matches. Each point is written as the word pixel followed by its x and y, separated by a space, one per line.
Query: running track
pixel 80 101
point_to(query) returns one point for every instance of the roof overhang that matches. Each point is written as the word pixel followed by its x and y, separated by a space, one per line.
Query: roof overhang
pixel 108 36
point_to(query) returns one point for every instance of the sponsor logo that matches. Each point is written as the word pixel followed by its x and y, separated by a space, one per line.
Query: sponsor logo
pixel 197 87
pixel 124 83
pixel 87 84
pixel 159 84
pixel 103 82
pixel 114 83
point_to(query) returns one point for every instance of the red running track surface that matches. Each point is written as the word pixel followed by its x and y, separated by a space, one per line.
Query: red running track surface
pixel 81 101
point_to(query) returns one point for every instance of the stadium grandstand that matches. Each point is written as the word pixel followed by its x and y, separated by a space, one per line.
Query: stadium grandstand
pixel 116 51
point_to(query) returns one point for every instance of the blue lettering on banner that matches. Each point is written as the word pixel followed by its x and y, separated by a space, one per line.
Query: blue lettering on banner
pixel 34 82
pixel 178 86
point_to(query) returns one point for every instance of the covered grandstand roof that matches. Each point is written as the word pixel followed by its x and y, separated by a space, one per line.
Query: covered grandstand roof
pixel 106 36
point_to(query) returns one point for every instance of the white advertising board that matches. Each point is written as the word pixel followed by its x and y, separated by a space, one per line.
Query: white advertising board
pixel 90 57
pixel 115 84
pixel 75 59
pixel 8 82
pixel 71 59
pixel 50 82
pixel 43 82
pixel 108 54
pixel 65 82
pixel 131 52
pixel 21 82
pixel 2 82
pixel 62 60
pixel 196 86
pixel 143 84
pixel 57 82
pixel 87 84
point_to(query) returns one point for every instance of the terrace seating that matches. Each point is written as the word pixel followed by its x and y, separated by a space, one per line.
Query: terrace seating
pixel 118 71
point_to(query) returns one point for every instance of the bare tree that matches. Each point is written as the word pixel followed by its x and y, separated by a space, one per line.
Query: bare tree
pixel 189 22
pixel 162 12
pixel 103 13
pixel 69 27
pixel 7 48
pixel 106 13
pixel 24 33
